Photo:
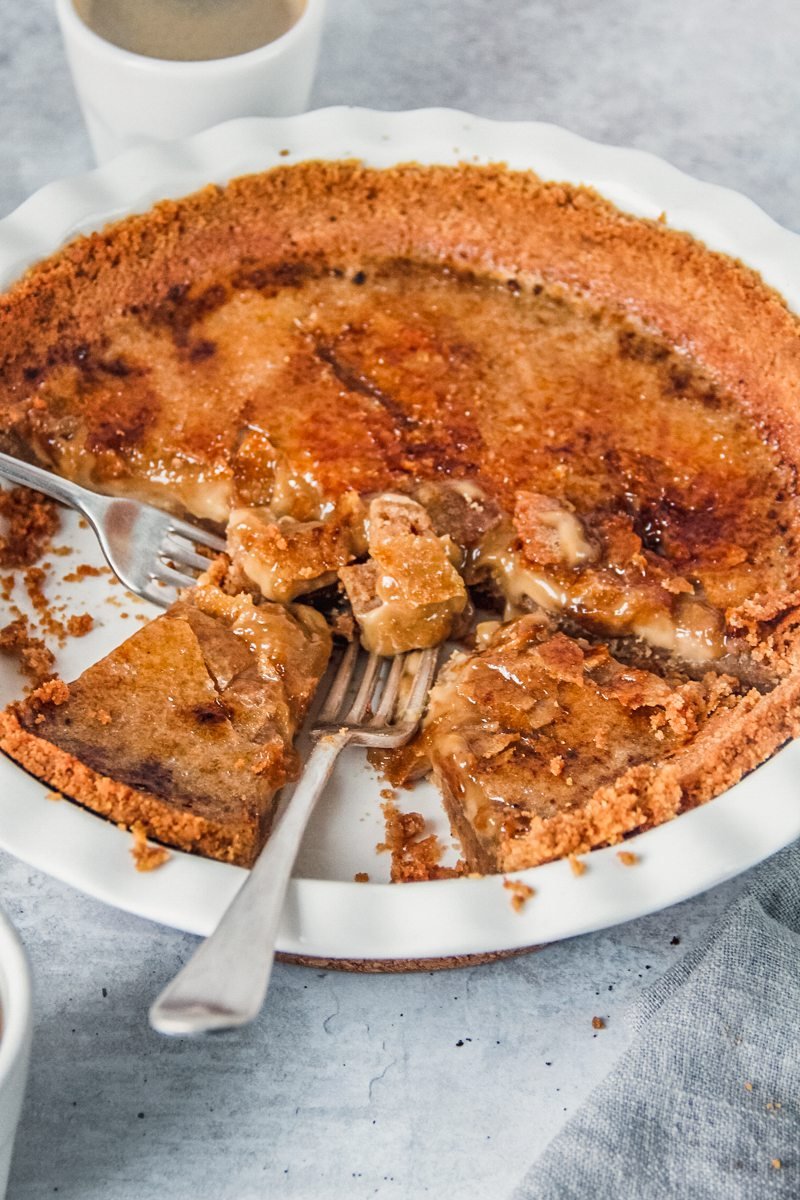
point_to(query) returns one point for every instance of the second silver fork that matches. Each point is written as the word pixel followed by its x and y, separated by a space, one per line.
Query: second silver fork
pixel 150 551
pixel 224 984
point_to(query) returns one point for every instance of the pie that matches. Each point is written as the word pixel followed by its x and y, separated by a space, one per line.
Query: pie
pixel 440 404
pixel 187 727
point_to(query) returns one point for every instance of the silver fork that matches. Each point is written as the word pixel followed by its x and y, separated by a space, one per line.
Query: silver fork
pixel 370 702
pixel 144 547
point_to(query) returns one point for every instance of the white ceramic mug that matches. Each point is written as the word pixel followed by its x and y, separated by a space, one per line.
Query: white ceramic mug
pixel 129 99
pixel 15 1040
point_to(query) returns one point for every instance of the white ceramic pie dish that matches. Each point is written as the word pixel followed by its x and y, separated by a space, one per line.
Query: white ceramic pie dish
pixel 327 914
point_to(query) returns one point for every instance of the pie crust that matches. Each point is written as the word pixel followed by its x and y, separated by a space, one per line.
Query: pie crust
pixel 186 729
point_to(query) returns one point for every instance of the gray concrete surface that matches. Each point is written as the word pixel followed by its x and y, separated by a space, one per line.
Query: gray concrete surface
pixel 352 1086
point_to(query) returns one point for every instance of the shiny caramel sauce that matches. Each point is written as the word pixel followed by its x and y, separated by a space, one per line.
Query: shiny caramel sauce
pixel 287 390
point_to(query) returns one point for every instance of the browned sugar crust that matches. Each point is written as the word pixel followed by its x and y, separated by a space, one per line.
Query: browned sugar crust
pixel 117 321
pixel 328 329
pixel 485 218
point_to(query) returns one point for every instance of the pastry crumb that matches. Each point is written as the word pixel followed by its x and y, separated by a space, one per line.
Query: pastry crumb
pixel 577 865
pixel 627 858
pixel 52 691
pixel 30 521
pixel 146 856
pixel 520 893
pixel 598 1023
pixel 84 571
pixel 34 658
pixel 80 625
pixel 53 795
pixel 776 1164
pixel 414 858
pixel 361 877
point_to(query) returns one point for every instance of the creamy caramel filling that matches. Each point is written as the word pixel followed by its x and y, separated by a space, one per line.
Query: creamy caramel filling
pixel 682 624
pixel 176 484
pixel 517 580
pixel 487 817
pixel 696 631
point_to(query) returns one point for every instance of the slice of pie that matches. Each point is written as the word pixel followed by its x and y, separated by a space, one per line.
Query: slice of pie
pixel 545 745
pixel 187 727
pixel 410 394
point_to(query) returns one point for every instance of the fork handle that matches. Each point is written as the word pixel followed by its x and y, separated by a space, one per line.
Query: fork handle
pixel 224 983
pixel 71 494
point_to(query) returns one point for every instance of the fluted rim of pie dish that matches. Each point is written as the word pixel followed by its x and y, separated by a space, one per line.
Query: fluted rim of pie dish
pixel 445 918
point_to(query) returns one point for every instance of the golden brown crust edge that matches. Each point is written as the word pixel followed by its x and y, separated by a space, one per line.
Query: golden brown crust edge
pixel 731 745
pixel 235 842
pixel 487 218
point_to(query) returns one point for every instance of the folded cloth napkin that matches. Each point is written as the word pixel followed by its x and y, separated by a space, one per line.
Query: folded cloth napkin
pixel 706 1100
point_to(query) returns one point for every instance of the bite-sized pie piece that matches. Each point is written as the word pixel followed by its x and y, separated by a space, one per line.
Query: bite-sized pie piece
pixel 286 558
pixel 545 745
pixel 408 594
pixel 187 727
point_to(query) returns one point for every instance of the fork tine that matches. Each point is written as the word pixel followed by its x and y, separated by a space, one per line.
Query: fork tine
pixel 423 678
pixel 194 533
pixel 341 683
pixel 184 555
pixel 171 577
pixel 364 694
pixel 162 597
pixel 389 695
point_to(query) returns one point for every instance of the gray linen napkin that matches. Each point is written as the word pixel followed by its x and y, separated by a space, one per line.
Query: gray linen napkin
pixel 706 1100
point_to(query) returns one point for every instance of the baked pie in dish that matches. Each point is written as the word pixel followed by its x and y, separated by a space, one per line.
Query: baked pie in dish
pixel 429 404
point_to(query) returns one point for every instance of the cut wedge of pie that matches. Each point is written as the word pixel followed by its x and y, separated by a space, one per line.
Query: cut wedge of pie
pixel 545 745
pixel 411 394
pixel 187 727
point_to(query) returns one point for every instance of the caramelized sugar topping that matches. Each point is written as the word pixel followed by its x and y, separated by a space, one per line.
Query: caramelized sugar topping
pixel 637 495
